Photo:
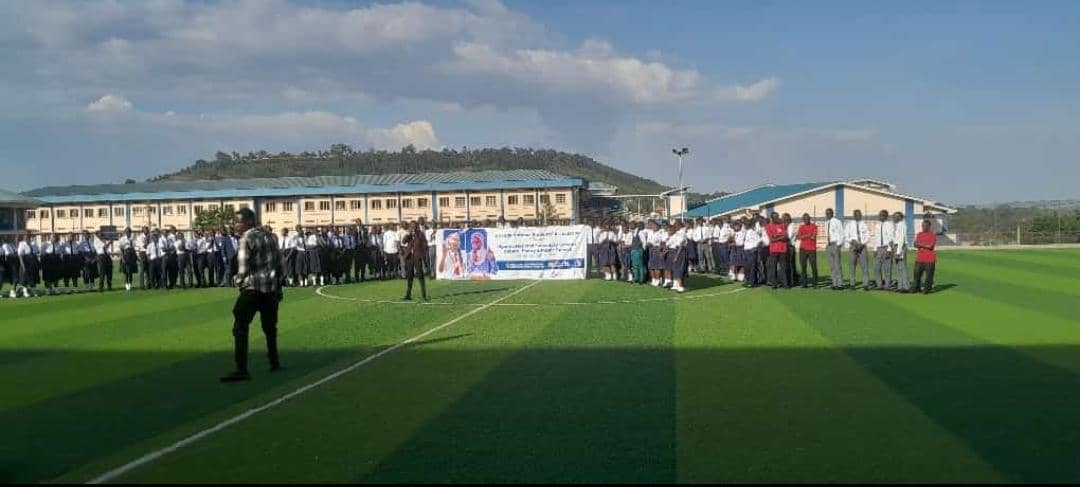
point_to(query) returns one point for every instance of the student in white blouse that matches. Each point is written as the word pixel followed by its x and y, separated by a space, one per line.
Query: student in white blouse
pixel 883 251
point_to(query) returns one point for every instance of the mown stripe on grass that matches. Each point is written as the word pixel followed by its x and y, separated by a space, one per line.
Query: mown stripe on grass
pixel 1015 412
pixel 588 399
pixel 343 429
pixel 763 397
pixel 1027 263
pixel 1052 303
pixel 1032 279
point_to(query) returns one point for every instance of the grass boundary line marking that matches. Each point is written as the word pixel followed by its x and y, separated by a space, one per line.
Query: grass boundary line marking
pixel 156 454
pixel 320 292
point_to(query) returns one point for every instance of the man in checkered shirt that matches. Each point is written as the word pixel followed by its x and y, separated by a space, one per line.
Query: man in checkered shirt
pixel 258 276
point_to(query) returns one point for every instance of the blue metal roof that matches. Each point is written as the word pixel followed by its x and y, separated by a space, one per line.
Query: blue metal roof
pixel 752 198
pixel 8 198
pixel 306 186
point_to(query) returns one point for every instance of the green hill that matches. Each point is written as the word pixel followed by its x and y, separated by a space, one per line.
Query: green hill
pixel 343 160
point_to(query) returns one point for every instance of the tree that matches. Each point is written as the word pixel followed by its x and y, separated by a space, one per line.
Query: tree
pixel 221 157
pixel 129 181
pixel 213 218
pixel 548 212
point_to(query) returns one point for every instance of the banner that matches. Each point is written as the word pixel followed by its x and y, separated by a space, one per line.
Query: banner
pixel 511 253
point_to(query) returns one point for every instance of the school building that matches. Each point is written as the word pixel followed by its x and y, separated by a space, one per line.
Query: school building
pixel 13 210
pixel 307 201
pixel 844 197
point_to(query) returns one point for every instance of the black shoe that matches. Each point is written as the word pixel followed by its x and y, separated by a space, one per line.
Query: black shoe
pixel 426 298
pixel 276 368
pixel 407 298
pixel 236 377
pixel 868 289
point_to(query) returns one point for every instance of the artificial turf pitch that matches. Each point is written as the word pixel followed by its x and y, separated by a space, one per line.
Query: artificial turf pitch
pixel 979 381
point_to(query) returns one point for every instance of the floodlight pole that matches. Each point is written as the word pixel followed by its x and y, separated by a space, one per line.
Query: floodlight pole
pixel 680 153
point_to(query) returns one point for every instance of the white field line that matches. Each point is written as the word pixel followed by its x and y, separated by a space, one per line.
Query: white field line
pixel 154 455
pixel 322 293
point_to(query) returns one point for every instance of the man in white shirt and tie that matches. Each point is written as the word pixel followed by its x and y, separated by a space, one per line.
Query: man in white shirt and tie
pixel 834 233
pixel 858 237
pixel 140 252
pixel 102 247
pixel 883 251
pixel 899 245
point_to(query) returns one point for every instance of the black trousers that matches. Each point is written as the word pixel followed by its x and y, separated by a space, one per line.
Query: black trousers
pixel 792 269
pixel 184 270
pixel 169 269
pixel 811 257
pixel 927 269
pixel 105 271
pixel 777 269
pixel 155 279
pixel 144 271
pixel 247 304
pixel 414 267
pixel 360 258
pixel 752 267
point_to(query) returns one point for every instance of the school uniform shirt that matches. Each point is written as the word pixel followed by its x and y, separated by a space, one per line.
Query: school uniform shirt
pixel 926 256
pixel 857 231
pixel 807 235
pixel 375 240
pixel 658 238
pixel 725 233
pixel 125 243
pixel 24 250
pixel 233 248
pixel 167 243
pixel 50 248
pixel 140 243
pixel 34 250
pixel 740 238
pixel 205 245
pixel 349 241
pixel 429 234
pixel 192 245
pixel 883 238
pixel 792 232
pixel 900 238
pixel 763 236
pixel 835 233
pixel 677 239
pixel 67 248
pixel 155 250
pixel 7 249
pixel 391 242
pixel 752 239
pixel 627 238
pixel 180 243
pixel 311 242
pixel 99 246
pixel 84 247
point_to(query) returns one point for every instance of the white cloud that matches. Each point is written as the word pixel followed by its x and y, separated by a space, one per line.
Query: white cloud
pixel 419 134
pixel 752 93
pixel 109 103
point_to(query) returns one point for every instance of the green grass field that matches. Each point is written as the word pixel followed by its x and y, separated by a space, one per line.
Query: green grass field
pixel 563 382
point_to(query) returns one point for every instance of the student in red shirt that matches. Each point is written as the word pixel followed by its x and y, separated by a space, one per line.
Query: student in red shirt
pixel 925 257
pixel 807 234
pixel 776 266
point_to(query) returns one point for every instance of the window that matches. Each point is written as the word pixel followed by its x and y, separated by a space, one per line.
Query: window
pixel 356 204
pixel 407 202
pixel 512 200
pixel 230 208
pixel 118 211
pixel 391 203
pixel 44 214
pixel 31 214
pixel 74 214
pixel 421 202
pixel 530 199
pixel 244 206
pixel 376 204
pixel 153 210
pixel 198 210
pixel 560 198
pixel 137 211
pixel 545 199
pixel 324 206
pixel 286 206
pixel 87 213
pixel 444 201
pixel 61 214
pixel 103 213
pixel 339 205
pixel 309 206
pixel 166 210
pixel 270 207
pixel 181 209
pixel 474 201
pixel 459 202
pixel 490 201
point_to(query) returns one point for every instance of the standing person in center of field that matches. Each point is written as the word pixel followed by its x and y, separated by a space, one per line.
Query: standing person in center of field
pixel 102 248
pixel 883 251
pixel 128 265
pixel 807 237
pixel 925 258
pixel 258 276
pixel 415 249
pixel 857 234
pixel 834 238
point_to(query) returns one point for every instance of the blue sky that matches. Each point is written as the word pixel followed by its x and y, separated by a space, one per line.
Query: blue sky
pixel 965 102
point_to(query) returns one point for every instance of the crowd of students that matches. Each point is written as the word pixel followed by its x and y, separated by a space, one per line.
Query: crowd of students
pixel 757 251
pixel 754 251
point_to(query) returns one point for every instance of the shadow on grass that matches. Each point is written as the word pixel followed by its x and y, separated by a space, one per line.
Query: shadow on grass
pixel 599 414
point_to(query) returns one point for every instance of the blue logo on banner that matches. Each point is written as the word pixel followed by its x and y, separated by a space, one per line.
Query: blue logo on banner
pixel 539 265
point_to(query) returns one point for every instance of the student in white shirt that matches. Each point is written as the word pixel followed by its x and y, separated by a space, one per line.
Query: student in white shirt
pixel 377 259
pixel 677 255
pixel 858 238
pixel 883 251
pixel 102 247
pixel 25 254
pixel 128 258
pixel 390 247
pixel 155 252
pixel 88 264
pixel 834 236
pixel 792 235
pixel 6 250
pixel 737 253
pixel 657 241
pixel 899 245
pixel 752 254
pixel 314 257
pixel 140 252
pixel 50 263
